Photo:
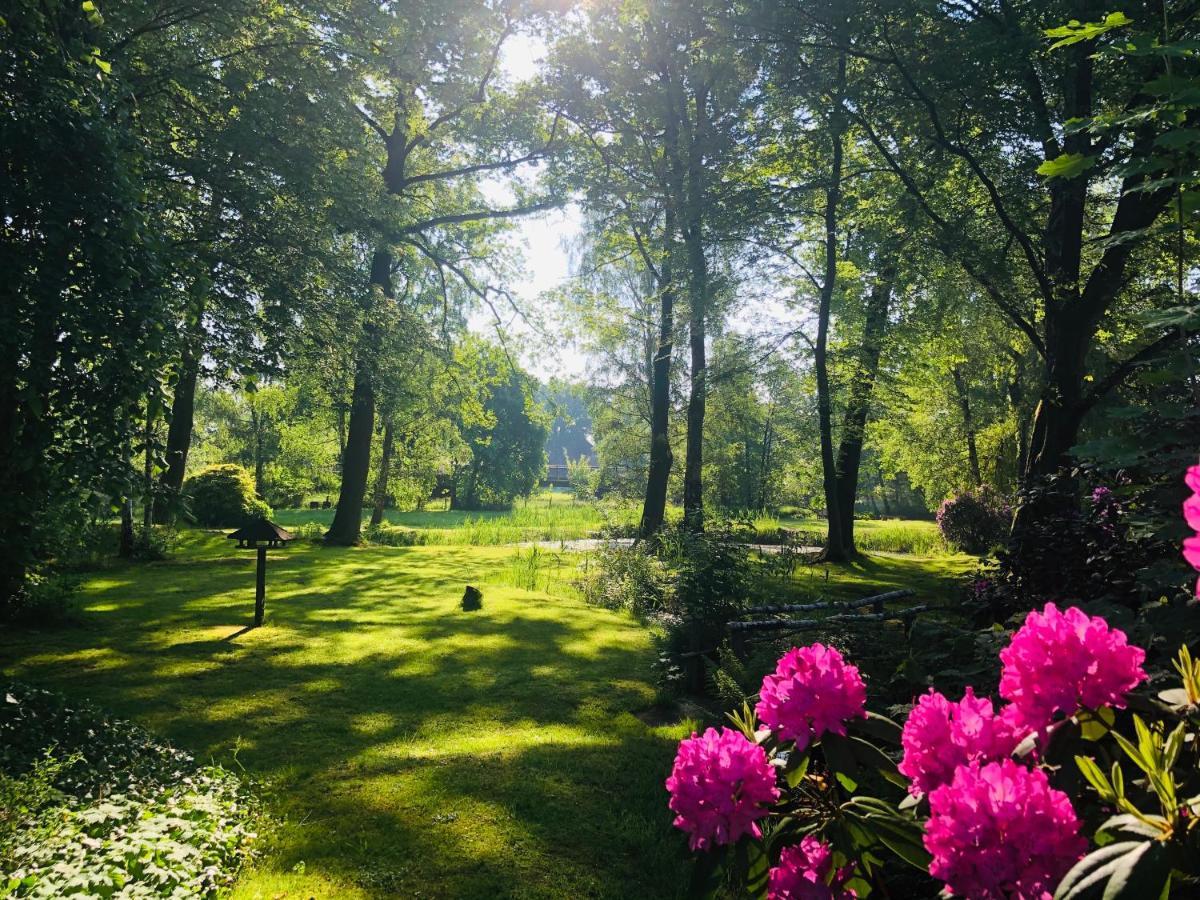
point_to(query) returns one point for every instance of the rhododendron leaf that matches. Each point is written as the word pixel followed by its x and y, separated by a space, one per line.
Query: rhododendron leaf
pixel 708 875
pixel 1095 724
pixel 796 768
pixel 878 727
pixel 1134 753
pixel 839 754
pixel 1095 778
pixel 871 757
pixel 1123 871
pixel 757 866
pixel 1129 825
pixel 1177 698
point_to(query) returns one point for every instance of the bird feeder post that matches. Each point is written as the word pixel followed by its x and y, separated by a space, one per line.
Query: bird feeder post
pixel 260 535
pixel 260 587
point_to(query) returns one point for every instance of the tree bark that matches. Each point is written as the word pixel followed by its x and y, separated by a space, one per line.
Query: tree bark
pixel 654 507
pixel 835 543
pixel 346 527
pixel 179 433
pixel 964 403
pixel 858 403
pixel 148 472
pixel 381 478
pixel 693 238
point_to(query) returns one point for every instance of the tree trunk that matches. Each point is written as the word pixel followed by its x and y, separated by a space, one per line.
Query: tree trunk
pixel 256 422
pixel 858 404
pixel 835 543
pixel 381 479
pixel 356 459
pixel 693 237
pixel 654 507
pixel 964 403
pixel 148 472
pixel 179 434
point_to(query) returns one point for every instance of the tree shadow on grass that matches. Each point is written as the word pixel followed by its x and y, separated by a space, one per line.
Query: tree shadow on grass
pixel 424 749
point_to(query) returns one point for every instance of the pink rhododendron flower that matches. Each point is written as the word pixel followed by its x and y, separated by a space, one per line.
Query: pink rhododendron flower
pixel 1058 662
pixel 1000 832
pixel 720 785
pixel 812 691
pixel 805 872
pixel 1191 512
pixel 940 736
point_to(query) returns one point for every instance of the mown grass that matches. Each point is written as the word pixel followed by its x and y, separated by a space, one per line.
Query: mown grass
pixel 412 749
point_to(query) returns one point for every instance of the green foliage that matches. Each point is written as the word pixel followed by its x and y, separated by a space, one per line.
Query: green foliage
pixel 585 480
pixel 91 805
pixel 43 600
pixel 223 496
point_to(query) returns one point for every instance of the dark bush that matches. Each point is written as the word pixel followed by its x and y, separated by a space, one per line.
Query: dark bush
pixel 223 497
pixel 975 521
pixel 43 600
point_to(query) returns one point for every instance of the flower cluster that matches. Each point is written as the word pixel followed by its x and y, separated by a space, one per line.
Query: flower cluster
pixel 999 831
pixel 940 736
pixel 805 872
pixel 1058 662
pixel 812 691
pixel 1191 514
pixel 720 786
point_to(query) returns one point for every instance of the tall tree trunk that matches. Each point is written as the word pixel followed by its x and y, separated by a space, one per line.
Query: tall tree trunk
pixel 654 507
pixel 179 433
pixel 693 237
pixel 148 471
pixel 356 459
pixel 125 543
pixel 858 403
pixel 964 404
pixel 256 422
pixel 835 543
pixel 385 468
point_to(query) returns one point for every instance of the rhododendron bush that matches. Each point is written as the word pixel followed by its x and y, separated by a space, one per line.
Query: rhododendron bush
pixel 1077 781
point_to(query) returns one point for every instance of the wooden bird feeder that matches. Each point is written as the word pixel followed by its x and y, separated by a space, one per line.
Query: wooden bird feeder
pixel 260 535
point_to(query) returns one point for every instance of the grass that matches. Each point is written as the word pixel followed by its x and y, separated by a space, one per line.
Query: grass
pixel 549 516
pixel 414 750
pixel 916 536
pixel 409 748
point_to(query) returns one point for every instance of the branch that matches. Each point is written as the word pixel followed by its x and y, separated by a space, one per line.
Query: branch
pixel 947 234
pixel 370 120
pixel 1142 358
pixel 476 215
pixel 488 166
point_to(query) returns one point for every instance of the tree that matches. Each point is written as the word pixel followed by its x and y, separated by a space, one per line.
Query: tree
pixel 504 431
pixel 427 97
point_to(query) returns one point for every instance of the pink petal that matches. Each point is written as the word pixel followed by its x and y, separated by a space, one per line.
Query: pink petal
pixel 1191 551
pixel 1192 478
pixel 1191 511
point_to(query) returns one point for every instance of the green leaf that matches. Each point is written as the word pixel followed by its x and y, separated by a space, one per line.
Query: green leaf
pixel 1130 870
pixel 1075 31
pixel 1066 166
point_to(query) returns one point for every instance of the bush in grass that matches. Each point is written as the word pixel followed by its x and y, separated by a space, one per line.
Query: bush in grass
pixel 44 599
pixel 974 521
pixel 93 806
pixel 223 497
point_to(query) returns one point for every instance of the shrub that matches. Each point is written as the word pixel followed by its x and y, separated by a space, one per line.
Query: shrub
pixel 989 802
pixel 628 577
pixel 43 600
pixel 974 521
pixel 93 806
pixel 223 497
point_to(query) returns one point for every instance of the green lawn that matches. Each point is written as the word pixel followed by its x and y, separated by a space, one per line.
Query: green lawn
pixel 414 750
pixel 411 749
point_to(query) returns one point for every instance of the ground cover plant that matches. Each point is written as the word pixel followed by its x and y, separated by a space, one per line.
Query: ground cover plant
pixel 94 806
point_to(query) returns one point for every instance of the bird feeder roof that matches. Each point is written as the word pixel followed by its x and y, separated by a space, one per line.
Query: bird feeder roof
pixel 260 531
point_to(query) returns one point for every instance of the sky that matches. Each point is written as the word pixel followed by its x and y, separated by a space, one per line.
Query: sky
pixel 545 240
